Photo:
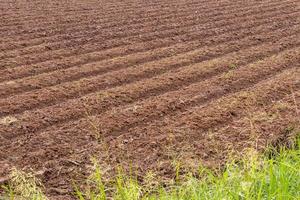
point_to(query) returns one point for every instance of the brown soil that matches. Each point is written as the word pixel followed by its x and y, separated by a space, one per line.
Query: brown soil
pixel 153 80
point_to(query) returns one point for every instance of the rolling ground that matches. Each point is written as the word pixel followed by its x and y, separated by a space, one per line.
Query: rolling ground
pixel 143 83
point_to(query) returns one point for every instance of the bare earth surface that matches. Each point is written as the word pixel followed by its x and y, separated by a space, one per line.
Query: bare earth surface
pixel 143 82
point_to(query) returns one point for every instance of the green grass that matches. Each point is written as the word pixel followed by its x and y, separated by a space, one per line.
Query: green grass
pixel 272 176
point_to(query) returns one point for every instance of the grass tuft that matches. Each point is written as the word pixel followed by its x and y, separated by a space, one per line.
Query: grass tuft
pixel 254 177
pixel 23 186
pixel 274 175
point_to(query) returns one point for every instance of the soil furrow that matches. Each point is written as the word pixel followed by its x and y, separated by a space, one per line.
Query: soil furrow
pixel 253 118
pixel 101 23
pixel 48 66
pixel 73 9
pixel 161 11
pixel 63 93
pixel 153 88
pixel 58 42
pixel 223 110
pixel 155 13
pixel 76 13
pixel 139 60
pixel 143 82
pixel 210 146
pixel 87 43
pixel 210 93
pixel 41 41
pixel 107 42
pixel 163 144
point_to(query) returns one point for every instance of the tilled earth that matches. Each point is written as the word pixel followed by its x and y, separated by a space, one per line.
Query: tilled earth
pixel 143 83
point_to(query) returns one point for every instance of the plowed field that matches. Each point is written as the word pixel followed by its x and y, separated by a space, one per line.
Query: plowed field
pixel 143 83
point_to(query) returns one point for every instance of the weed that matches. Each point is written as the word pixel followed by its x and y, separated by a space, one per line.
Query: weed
pixel 24 186
pixel 255 176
